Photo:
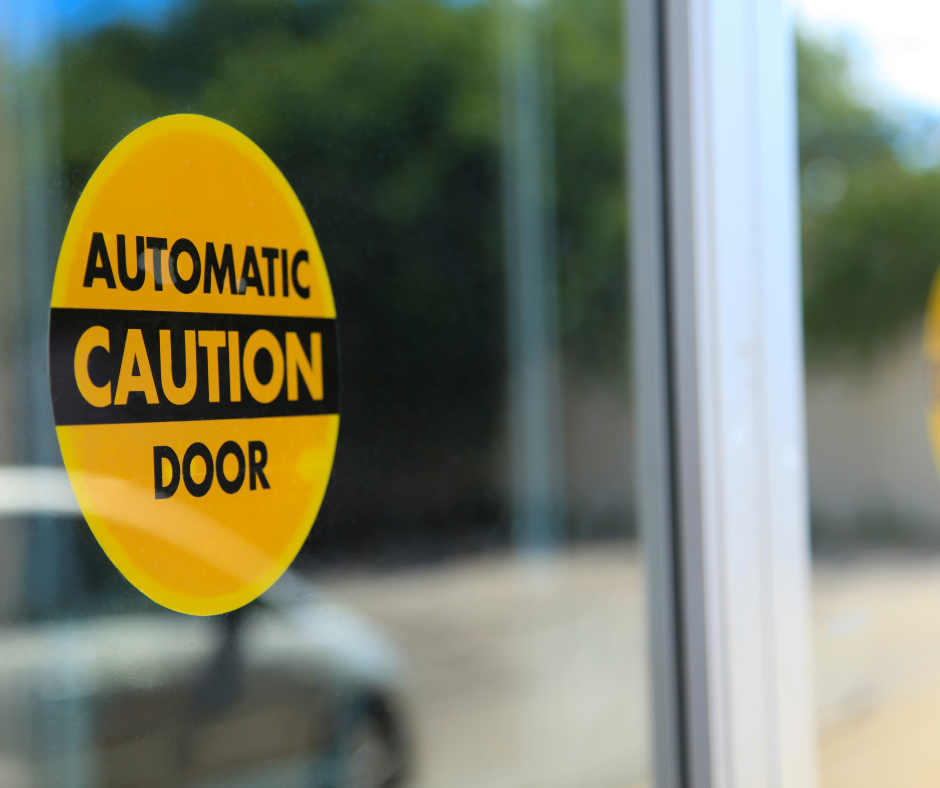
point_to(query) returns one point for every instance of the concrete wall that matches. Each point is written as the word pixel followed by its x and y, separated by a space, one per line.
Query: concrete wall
pixel 871 464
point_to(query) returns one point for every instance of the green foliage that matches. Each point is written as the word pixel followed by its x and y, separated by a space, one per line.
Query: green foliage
pixel 871 227
pixel 870 260
pixel 592 212
pixel 833 121
pixel 382 116
pixel 385 116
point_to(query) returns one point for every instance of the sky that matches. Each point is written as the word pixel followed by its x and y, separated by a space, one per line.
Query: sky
pixel 88 14
pixel 27 25
pixel 895 43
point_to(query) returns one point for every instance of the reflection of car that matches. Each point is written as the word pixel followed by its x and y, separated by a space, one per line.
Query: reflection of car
pixel 101 687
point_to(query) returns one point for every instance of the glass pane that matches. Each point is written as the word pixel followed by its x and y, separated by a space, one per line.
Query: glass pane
pixel 871 204
pixel 469 606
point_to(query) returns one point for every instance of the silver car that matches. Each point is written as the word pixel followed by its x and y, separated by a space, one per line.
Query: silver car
pixel 101 688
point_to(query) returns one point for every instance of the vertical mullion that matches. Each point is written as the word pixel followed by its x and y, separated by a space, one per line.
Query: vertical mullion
pixel 652 385
pixel 718 365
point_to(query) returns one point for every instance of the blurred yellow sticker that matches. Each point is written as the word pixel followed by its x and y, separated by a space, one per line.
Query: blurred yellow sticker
pixel 932 353
pixel 193 364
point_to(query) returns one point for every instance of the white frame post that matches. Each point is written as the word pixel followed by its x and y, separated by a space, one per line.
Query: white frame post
pixel 720 397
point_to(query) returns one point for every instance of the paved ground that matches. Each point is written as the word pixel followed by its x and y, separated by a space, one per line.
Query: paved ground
pixel 532 675
pixel 878 670
pixel 521 674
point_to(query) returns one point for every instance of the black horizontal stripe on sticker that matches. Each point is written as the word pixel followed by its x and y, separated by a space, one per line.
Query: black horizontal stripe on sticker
pixel 70 407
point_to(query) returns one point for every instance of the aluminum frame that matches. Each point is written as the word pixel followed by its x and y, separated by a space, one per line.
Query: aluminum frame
pixel 718 364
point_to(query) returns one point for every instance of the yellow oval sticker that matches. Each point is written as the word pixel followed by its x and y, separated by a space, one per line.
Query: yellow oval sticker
pixel 193 364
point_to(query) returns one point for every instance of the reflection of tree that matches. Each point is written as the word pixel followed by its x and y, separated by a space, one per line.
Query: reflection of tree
pixel 871 227
pixel 384 116
pixel 589 136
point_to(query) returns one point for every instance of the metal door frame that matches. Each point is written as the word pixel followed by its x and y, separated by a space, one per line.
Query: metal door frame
pixel 719 392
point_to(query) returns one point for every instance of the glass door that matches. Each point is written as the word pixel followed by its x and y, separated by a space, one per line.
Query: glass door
pixel 469 606
pixel 870 195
